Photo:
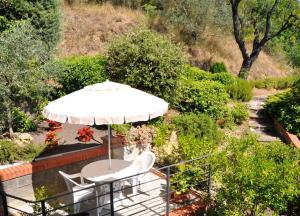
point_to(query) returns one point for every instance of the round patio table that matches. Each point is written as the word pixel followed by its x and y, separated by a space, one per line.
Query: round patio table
pixel 99 172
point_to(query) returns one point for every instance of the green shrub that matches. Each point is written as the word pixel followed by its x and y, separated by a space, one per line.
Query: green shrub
pixel 218 67
pixel 9 152
pixel 21 121
pixel 162 134
pixel 224 78
pixel 241 90
pixel 31 151
pixel 194 73
pixel 285 107
pixel 203 96
pixel 240 113
pixel 148 61
pixel 200 125
pixel 253 178
pixel 76 72
pixel 198 135
pixel 276 83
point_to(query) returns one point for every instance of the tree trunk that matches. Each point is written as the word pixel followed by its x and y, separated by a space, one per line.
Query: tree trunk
pixel 245 68
pixel 9 119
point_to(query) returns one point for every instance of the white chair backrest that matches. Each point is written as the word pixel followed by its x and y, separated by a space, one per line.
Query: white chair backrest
pixel 69 182
pixel 145 161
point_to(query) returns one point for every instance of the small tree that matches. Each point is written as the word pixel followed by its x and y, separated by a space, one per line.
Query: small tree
pixel 148 61
pixel 254 177
pixel 261 20
pixel 21 79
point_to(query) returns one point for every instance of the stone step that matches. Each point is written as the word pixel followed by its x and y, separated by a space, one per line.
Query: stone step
pixel 263 136
pixel 258 124
pixel 260 98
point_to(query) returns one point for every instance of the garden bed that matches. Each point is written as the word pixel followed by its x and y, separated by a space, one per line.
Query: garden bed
pixel 288 137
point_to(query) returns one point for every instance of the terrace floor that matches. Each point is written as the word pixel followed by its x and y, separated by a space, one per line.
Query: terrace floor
pixel 151 200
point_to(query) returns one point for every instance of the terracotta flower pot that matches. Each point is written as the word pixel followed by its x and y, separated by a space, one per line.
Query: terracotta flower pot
pixel 181 198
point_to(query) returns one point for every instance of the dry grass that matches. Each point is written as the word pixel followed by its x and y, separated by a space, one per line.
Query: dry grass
pixel 88 28
pixel 225 49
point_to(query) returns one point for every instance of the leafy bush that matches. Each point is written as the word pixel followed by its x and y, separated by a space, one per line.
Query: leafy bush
pixel 162 134
pixel 9 152
pixel 43 15
pixel 240 113
pixel 276 83
pixel 224 78
pixel 240 90
pixel 285 107
pixel 148 61
pixel 253 178
pixel 198 135
pixel 203 97
pixel 22 122
pixel 194 73
pixel 76 72
pixel 218 67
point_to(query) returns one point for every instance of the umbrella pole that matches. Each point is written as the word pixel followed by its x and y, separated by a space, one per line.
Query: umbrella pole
pixel 109 144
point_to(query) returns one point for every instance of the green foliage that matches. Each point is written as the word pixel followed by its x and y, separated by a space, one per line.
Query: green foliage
pixel 22 122
pixel 77 72
pixel 194 73
pixel 4 23
pixel 122 129
pixel 23 81
pixel 253 178
pixel 41 193
pixel 198 135
pixel 43 15
pixel 162 134
pixel 186 178
pixel 148 61
pixel 285 107
pixel 276 83
pixel 203 96
pixel 241 90
pixel 240 113
pixel 218 67
pixel 8 152
pixel 190 18
pixel 224 78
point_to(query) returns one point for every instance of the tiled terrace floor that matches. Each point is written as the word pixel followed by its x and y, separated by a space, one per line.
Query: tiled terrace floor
pixel 150 201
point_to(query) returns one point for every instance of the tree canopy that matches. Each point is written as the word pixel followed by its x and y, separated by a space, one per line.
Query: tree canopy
pixel 260 21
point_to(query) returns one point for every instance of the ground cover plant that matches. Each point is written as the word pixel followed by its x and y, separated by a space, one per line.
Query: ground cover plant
pixel 252 178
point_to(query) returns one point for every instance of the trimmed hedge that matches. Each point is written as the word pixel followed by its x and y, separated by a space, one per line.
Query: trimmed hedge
pixel 276 83
pixel 77 72
pixel 240 90
pixel 203 97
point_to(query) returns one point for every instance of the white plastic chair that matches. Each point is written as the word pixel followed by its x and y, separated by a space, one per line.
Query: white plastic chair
pixel 73 186
pixel 144 162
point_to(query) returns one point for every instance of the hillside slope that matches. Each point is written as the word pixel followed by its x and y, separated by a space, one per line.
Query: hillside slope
pixel 89 28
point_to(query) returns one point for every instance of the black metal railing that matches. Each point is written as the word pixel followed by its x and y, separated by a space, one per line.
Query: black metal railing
pixel 156 199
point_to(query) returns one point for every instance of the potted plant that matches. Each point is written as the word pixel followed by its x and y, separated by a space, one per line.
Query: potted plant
pixel 51 139
pixel 85 134
pixel 183 181
pixel 53 124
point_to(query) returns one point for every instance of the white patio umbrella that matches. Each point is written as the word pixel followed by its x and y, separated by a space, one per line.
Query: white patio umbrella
pixel 105 103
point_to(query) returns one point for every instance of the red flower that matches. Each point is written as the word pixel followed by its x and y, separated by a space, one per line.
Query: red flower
pixel 51 138
pixel 85 134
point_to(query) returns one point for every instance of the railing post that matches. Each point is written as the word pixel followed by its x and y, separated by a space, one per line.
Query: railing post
pixel 111 194
pixel 44 213
pixel 209 181
pixel 5 207
pixel 168 192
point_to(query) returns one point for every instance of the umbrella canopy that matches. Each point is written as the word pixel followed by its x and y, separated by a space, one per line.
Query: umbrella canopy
pixel 105 103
